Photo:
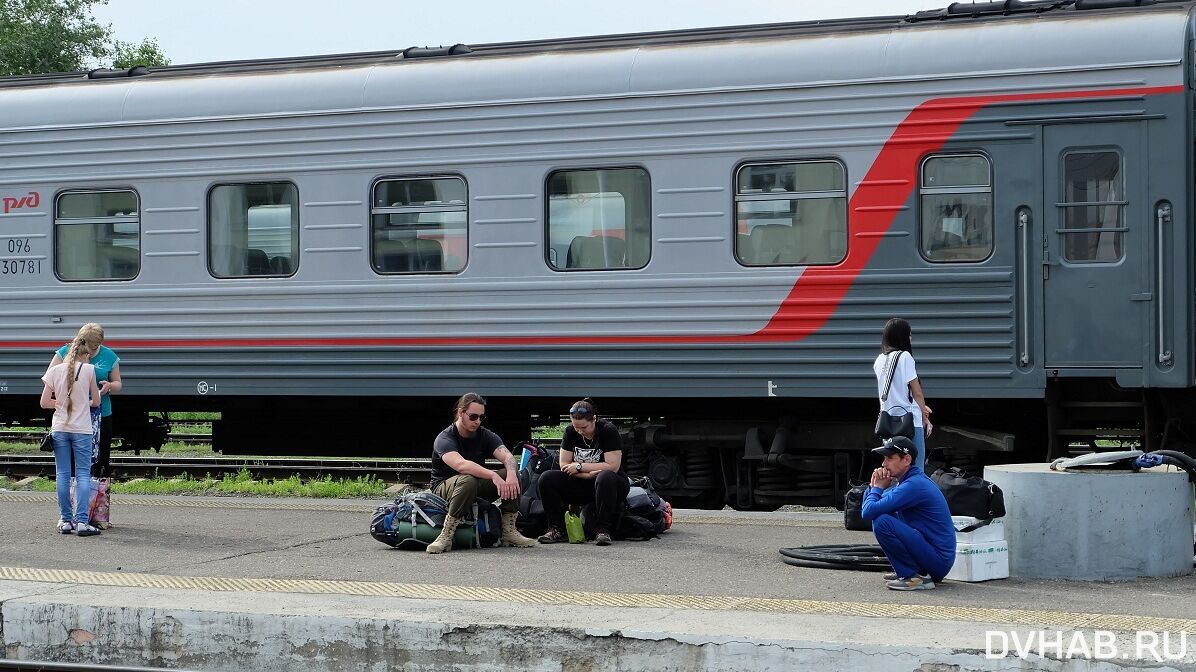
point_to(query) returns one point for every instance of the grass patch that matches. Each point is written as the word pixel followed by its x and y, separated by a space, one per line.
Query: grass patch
pixel 184 485
pixel 242 483
pixel 187 416
pixel 190 428
pixel 43 485
pixel 550 432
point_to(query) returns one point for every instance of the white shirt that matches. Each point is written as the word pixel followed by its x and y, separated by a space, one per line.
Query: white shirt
pixel 899 396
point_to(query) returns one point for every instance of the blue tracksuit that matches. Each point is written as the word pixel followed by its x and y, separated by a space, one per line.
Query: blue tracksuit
pixel 913 525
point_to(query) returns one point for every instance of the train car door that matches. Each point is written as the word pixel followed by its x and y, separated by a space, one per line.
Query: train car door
pixel 1096 242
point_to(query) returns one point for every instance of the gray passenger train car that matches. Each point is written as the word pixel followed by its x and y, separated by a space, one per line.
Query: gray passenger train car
pixel 703 230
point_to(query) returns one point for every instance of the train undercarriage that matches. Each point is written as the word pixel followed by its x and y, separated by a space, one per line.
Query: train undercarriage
pixel 747 454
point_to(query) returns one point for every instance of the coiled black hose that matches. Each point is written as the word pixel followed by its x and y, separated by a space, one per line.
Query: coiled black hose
pixel 1178 459
pixel 865 558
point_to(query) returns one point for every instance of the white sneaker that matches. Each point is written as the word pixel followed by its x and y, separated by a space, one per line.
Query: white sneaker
pixel 65 526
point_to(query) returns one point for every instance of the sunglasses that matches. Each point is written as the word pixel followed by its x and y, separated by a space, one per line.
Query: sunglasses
pixel 474 417
pixel 897 449
pixel 580 412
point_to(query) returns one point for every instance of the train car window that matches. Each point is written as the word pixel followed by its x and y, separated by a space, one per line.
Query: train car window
pixel 792 213
pixel 420 225
pixel 253 230
pixel 97 235
pixel 1093 201
pixel 599 219
pixel 957 208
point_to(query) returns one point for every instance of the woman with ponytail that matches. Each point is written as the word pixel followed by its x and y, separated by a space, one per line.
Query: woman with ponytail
pixel 71 391
pixel 107 366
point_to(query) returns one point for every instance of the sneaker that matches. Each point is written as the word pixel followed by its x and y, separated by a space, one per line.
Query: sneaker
pixel 602 539
pixel 552 536
pixel 912 583
pixel 892 576
pixel 65 526
pixel 85 530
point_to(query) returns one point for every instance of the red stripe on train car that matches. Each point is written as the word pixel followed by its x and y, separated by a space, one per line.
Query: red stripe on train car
pixel 815 295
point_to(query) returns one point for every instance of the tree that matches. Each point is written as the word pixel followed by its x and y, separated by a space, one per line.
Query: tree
pixel 147 52
pixel 63 36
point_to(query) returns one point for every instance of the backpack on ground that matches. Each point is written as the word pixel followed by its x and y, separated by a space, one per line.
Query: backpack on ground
pixel 646 514
pixel 487 523
pixel 414 520
pixel 532 521
pixel 969 495
pixel 853 503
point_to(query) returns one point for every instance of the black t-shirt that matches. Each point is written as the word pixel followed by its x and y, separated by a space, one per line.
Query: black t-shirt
pixel 477 448
pixel 606 439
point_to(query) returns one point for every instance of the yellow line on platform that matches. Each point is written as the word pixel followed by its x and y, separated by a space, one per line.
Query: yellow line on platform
pixel 1015 617
pixel 261 503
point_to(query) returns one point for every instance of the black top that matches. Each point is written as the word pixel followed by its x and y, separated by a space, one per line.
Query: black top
pixel 606 439
pixel 477 448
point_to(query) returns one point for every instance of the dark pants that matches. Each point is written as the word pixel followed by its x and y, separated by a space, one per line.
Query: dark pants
pixel 607 492
pixel 99 468
pixel 908 551
pixel 462 489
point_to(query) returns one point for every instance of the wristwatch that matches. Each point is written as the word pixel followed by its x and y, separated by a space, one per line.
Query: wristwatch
pixel 578 467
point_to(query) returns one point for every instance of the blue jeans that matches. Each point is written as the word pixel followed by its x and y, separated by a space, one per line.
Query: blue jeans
pixel 79 445
pixel 920 442
pixel 907 550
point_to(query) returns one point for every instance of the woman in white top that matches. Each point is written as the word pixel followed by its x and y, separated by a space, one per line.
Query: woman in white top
pixel 905 393
pixel 71 391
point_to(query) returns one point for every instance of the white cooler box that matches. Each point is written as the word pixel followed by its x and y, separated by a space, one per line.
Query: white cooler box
pixel 980 562
pixel 994 531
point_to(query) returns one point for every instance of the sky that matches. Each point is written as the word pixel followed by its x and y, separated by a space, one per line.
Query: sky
pixel 199 31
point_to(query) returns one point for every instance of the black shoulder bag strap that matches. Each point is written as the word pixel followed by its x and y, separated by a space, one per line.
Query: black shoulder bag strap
pixel 892 369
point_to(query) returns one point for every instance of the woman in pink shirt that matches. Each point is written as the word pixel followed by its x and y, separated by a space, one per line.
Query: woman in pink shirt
pixel 71 391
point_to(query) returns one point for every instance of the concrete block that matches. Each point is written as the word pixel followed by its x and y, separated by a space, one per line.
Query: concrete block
pixel 1095 525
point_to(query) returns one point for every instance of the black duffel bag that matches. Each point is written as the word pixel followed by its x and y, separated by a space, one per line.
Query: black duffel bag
pixel 969 495
pixel 852 503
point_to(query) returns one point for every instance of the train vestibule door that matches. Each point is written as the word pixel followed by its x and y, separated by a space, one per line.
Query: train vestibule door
pixel 1096 245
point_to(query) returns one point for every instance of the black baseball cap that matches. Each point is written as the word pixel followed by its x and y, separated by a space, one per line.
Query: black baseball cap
pixel 897 445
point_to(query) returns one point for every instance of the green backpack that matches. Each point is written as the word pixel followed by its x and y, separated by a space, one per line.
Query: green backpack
pixel 414 520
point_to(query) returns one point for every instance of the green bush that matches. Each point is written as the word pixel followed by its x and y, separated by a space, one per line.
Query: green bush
pixel 240 483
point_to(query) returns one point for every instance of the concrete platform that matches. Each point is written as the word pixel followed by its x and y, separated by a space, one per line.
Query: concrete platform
pixel 234 584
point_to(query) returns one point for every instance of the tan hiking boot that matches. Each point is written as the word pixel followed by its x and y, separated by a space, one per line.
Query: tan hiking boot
pixel 510 534
pixel 444 543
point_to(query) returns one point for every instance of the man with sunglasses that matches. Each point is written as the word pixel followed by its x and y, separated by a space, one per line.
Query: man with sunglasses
pixel 459 474
pixel 910 518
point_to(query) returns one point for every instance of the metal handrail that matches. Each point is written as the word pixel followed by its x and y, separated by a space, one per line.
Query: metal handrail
pixel 1162 218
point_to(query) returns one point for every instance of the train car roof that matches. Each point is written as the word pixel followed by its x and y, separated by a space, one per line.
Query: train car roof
pixel 990 38
pixel 1002 10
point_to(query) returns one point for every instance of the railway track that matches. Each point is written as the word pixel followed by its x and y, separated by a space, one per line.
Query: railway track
pixel 17 436
pixel 413 471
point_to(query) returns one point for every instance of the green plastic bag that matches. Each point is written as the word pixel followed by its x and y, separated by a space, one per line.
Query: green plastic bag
pixel 573 528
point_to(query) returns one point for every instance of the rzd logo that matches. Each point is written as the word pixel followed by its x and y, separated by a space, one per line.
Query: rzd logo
pixel 30 200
